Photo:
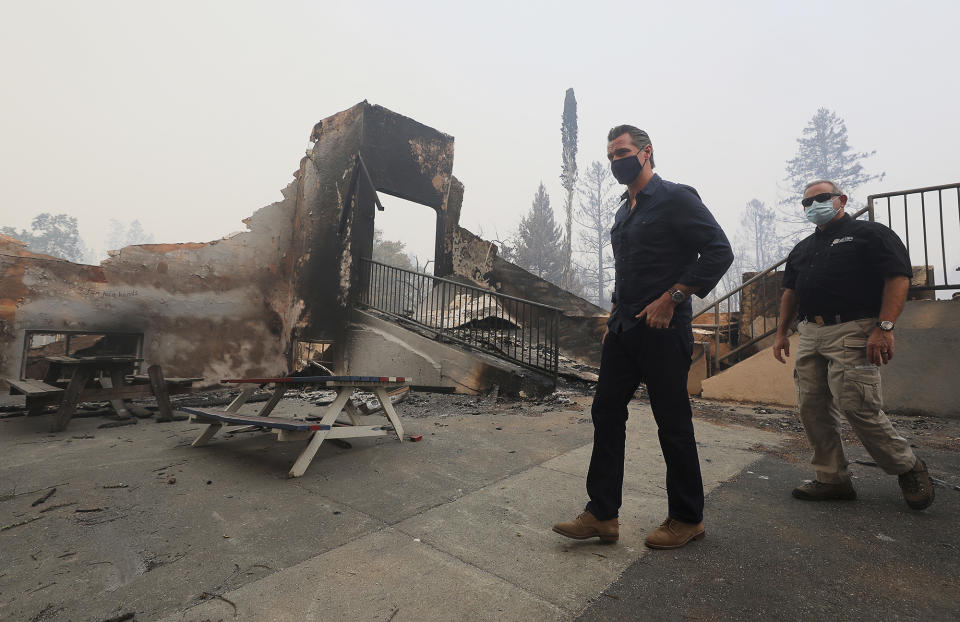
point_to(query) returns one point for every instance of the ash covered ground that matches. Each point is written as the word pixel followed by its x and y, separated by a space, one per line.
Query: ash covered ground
pixel 571 395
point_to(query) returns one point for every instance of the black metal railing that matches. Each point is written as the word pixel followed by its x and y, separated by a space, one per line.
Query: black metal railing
pixel 928 222
pixel 926 219
pixel 517 330
pixel 762 313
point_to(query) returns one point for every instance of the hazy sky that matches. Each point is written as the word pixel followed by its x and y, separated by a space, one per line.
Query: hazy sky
pixel 190 115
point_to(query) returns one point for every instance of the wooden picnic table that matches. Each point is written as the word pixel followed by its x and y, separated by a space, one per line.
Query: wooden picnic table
pixel 70 380
pixel 288 429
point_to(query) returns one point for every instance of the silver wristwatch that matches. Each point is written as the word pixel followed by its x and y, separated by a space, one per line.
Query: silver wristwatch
pixel 678 296
pixel 885 325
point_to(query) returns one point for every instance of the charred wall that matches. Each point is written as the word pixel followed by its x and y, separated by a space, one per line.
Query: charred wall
pixel 356 154
pixel 204 309
pixel 236 306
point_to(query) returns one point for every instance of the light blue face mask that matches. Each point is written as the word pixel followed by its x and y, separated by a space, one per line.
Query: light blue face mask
pixel 820 213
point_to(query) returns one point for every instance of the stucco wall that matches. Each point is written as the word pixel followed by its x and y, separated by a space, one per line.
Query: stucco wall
pixel 922 378
pixel 205 309
pixel 923 375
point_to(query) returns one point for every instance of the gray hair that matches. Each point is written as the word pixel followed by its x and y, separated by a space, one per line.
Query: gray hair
pixel 835 187
pixel 638 137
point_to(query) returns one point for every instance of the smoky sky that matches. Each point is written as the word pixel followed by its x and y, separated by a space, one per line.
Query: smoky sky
pixel 189 116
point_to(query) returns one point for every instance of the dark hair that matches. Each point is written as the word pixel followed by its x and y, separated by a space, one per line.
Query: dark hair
pixel 638 137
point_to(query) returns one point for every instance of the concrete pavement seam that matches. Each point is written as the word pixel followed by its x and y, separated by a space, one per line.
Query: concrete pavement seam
pixel 487 572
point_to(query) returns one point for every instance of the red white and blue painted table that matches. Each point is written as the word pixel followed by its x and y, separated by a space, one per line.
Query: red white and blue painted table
pixel 299 429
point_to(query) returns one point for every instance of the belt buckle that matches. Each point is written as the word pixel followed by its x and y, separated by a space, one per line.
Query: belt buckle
pixel 819 320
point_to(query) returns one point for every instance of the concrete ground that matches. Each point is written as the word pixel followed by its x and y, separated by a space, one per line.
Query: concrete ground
pixel 454 527
pixel 768 556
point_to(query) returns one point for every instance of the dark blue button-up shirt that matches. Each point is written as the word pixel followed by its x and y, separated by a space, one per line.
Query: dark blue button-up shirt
pixel 668 237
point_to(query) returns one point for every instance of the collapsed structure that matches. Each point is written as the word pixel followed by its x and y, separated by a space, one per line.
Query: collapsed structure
pixel 300 287
pixel 288 290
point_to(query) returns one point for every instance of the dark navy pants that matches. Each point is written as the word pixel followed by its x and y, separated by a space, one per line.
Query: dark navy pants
pixel 661 360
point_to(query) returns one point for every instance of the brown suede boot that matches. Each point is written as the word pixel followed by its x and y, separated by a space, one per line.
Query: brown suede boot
pixel 587 526
pixel 672 534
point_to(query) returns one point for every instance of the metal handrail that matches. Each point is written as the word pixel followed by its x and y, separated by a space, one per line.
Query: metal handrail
pixel 870 210
pixel 511 328
pixel 717 358
pixel 884 195
pixel 926 226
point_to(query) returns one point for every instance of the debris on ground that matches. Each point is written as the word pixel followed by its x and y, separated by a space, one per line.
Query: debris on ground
pixel 140 412
pixel 118 424
pixel 19 523
pixel 58 506
pixel 43 498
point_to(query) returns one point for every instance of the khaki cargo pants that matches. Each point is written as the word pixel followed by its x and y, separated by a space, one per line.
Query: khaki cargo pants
pixel 834 377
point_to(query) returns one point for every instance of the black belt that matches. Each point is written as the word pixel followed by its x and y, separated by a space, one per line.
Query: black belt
pixel 829 319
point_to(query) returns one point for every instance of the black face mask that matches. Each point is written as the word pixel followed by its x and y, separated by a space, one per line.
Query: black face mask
pixel 625 170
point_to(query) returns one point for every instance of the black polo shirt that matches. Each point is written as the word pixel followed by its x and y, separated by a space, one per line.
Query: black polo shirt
pixel 841 269
pixel 668 237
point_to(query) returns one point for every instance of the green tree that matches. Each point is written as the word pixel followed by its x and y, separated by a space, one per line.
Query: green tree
pixel 568 178
pixel 50 234
pixel 390 252
pixel 538 244
pixel 822 153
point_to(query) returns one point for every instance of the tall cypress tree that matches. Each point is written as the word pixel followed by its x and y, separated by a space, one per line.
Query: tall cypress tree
pixel 568 178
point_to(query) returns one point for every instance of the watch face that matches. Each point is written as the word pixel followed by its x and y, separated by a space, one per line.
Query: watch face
pixel 677 295
pixel 886 325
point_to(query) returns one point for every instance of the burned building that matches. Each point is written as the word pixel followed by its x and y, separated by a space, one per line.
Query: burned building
pixel 299 284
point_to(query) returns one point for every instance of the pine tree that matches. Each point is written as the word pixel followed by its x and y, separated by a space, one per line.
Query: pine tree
pixel 538 246
pixel 822 153
pixel 568 178
pixel 136 234
pixel 127 235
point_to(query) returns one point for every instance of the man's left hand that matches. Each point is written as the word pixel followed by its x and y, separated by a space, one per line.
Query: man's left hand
pixel 880 347
pixel 658 313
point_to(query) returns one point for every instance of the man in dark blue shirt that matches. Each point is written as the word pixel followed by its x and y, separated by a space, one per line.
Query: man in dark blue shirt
pixel 667 246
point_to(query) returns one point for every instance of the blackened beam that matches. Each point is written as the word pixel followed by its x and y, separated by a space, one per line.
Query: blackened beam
pixel 366 175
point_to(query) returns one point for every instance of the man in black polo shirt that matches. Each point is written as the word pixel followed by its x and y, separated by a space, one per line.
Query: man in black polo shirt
pixel 667 246
pixel 847 284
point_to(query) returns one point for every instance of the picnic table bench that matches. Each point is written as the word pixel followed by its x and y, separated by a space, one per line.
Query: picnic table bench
pixel 70 380
pixel 288 429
